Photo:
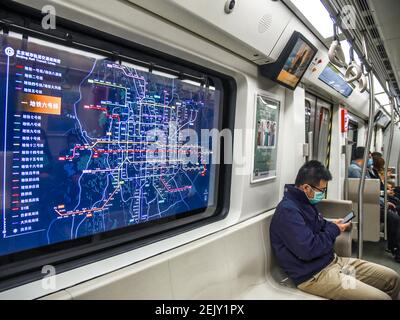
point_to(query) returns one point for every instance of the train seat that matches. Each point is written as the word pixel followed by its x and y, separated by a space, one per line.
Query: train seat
pixel 274 283
pixel 331 209
pixel 236 263
pixel 372 221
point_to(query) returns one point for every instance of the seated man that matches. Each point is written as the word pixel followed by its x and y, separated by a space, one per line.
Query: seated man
pixel 303 243
pixel 355 169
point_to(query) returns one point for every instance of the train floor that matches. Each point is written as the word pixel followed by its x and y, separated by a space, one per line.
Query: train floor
pixel 376 252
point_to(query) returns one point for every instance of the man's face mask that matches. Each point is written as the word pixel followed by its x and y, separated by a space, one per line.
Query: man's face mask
pixel 318 195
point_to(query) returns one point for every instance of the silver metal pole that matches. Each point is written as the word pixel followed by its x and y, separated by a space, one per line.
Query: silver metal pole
pixel 346 168
pixel 387 157
pixel 310 146
pixel 361 187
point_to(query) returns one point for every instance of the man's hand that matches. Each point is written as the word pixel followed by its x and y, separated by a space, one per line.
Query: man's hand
pixel 342 227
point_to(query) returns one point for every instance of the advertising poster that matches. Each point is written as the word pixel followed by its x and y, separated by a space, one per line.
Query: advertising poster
pixel 266 139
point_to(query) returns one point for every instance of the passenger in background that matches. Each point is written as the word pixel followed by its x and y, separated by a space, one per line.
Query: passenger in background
pixel 393 225
pixel 374 174
pixel 378 171
pixel 391 173
pixel 376 155
pixel 355 169
pixel 391 187
pixel 396 191
pixel 393 222
pixel 303 243
pixel 393 218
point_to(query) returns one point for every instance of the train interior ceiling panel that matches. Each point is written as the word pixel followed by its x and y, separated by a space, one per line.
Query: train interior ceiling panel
pixel 214 149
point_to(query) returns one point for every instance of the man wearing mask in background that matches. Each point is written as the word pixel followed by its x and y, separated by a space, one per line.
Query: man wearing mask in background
pixel 355 169
pixel 303 243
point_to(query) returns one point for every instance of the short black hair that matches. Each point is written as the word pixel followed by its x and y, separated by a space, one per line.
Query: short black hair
pixel 359 153
pixel 312 173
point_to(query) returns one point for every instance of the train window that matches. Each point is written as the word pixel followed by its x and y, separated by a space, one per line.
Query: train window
pixel 323 137
pixel 352 135
pixel 98 152
pixel 318 119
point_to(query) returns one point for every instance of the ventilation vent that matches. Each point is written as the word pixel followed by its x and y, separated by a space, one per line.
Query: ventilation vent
pixel 363 5
pixel 375 33
pixel 387 64
pixel 265 23
pixel 369 20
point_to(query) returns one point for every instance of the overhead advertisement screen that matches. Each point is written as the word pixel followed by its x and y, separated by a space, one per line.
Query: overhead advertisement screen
pixel 89 145
pixel 296 64
pixel 333 78
pixel 292 63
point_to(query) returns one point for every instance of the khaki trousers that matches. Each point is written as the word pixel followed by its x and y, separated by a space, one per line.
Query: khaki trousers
pixel 354 279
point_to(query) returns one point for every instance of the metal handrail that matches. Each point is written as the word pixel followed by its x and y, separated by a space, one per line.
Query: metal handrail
pixel 310 146
pixel 346 169
pixel 347 156
pixel 361 187
pixel 387 157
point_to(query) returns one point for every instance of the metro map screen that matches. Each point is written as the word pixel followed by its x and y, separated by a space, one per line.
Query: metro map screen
pixel 89 145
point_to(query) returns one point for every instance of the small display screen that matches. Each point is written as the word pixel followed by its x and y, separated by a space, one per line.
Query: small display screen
pixel 296 64
pixel 333 78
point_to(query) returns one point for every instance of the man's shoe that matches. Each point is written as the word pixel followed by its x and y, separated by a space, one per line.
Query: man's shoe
pixel 397 257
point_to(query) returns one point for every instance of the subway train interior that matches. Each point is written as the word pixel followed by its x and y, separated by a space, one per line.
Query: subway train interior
pixel 152 149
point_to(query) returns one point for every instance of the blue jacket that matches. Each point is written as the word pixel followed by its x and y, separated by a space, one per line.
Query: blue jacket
pixel 355 171
pixel 301 238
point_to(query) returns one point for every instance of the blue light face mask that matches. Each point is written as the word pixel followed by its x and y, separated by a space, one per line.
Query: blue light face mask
pixel 318 197
pixel 370 163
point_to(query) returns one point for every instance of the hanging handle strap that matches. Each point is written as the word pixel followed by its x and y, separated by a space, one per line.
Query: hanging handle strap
pixel 336 54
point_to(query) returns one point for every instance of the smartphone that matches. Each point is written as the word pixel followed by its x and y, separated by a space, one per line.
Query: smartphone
pixel 349 217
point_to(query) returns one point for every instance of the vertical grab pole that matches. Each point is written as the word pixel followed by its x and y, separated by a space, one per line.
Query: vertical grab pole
pixel 310 146
pixel 361 187
pixel 347 159
pixel 387 157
